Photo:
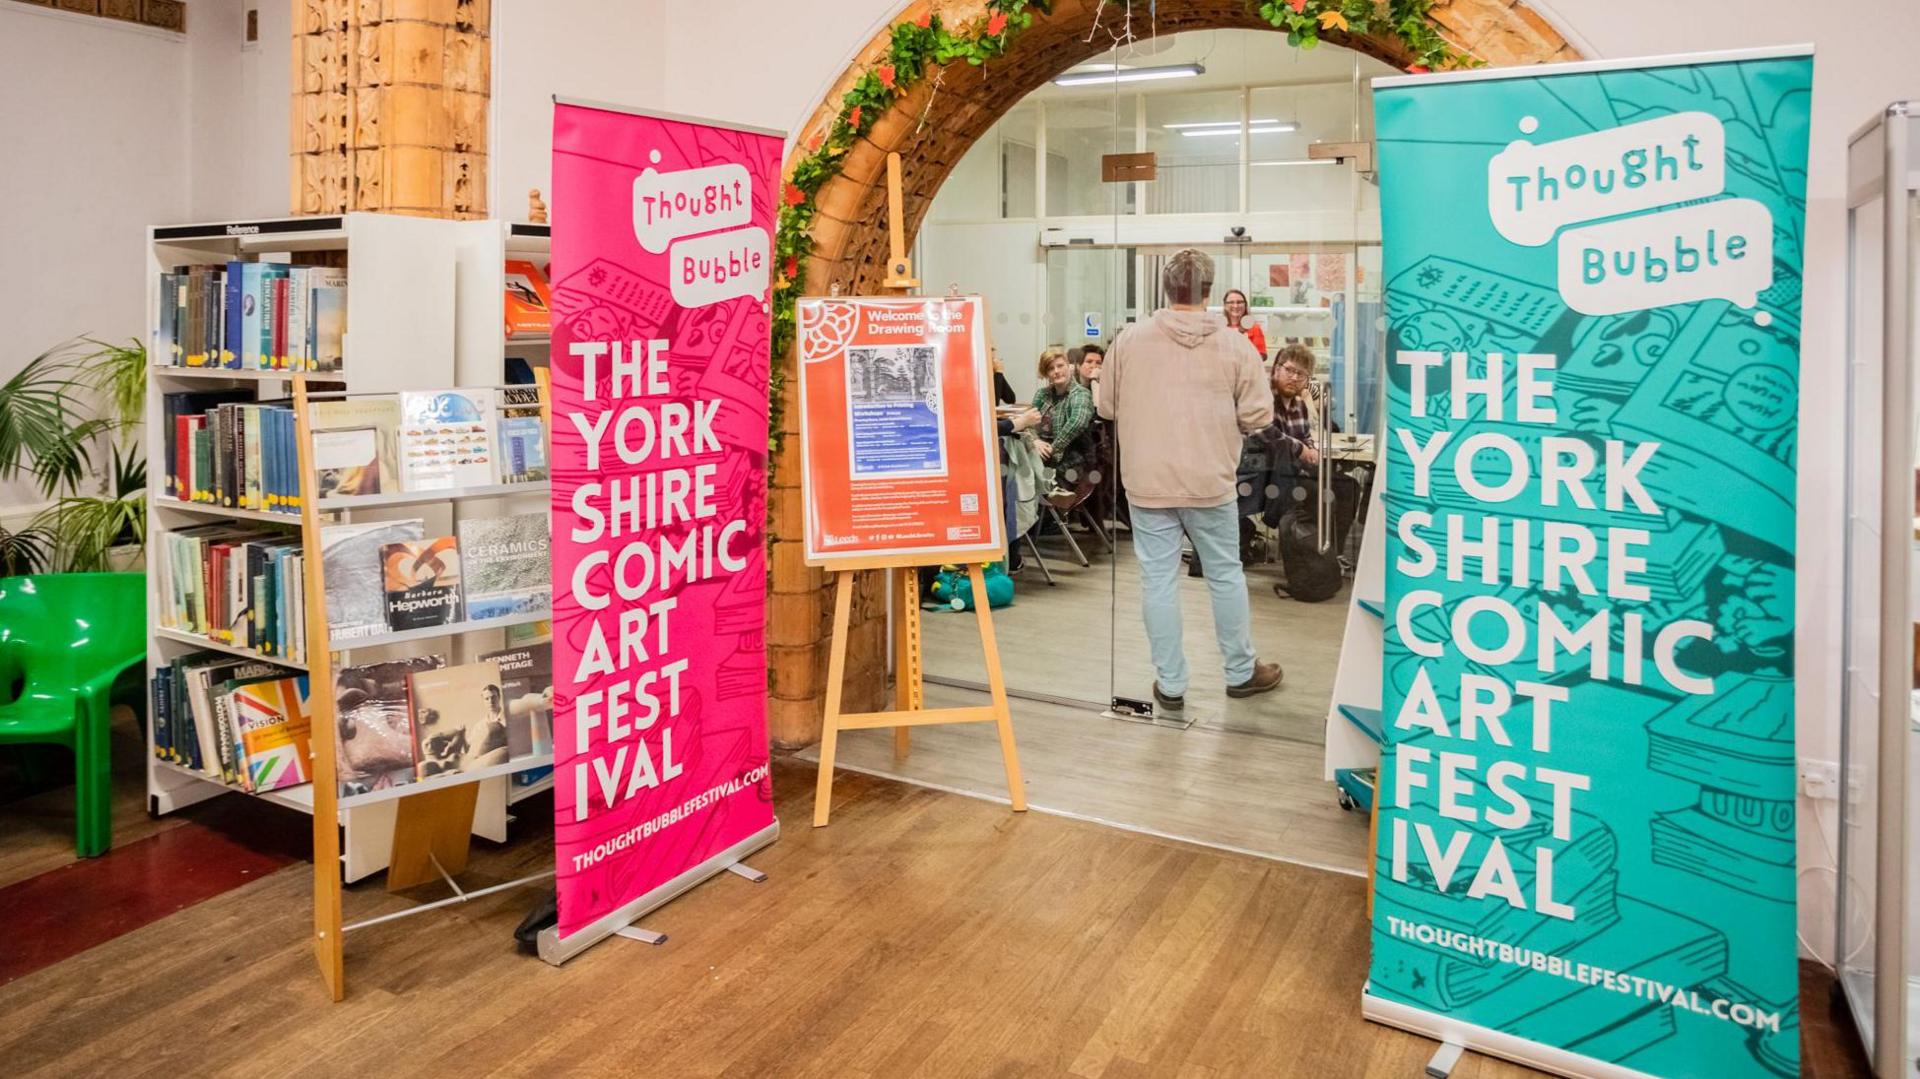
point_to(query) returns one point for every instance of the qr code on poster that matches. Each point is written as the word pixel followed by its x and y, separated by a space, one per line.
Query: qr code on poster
pixel 970 503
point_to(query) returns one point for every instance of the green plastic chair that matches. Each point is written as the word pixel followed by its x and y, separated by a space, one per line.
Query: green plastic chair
pixel 67 640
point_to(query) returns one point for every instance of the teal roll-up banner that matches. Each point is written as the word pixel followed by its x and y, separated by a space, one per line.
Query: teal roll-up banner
pixel 1586 833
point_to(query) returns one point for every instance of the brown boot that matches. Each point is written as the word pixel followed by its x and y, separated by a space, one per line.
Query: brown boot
pixel 1266 676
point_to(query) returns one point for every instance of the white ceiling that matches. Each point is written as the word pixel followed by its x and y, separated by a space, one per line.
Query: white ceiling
pixel 1232 58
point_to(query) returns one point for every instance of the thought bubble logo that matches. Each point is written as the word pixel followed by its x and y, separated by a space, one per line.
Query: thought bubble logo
pixel 1534 190
pixel 686 202
pixel 1713 250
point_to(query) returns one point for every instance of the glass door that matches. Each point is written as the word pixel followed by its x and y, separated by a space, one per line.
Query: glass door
pixel 1323 298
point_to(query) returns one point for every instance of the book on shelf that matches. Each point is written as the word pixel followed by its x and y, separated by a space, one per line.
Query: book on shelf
pixel 355 572
pixel 421 579
pixel 356 445
pixel 446 439
pixel 506 565
pixel 251 316
pixel 182 414
pixel 327 320
pixel 526 681
pixel 236 585
pixel 459 719
pixel 374 747
pixel 529 300
pixel 523 435
pixel 273 731
pixel 199 725
pixel 228 452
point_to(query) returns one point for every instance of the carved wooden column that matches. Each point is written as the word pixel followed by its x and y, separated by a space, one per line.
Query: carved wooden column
pixel 390 106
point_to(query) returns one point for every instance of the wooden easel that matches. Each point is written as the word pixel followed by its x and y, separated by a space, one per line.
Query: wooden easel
pixel 909 705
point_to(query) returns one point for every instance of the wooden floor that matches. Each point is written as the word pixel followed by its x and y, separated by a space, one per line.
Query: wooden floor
pixel 1222 788
pixel 1082 638
pixel 36 834
pixel 922 934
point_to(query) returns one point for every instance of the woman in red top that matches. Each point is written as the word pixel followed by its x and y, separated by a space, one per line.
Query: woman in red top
pixel 1235 303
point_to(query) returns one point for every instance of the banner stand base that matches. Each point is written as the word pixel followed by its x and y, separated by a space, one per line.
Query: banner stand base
pixel 556 949
pixel 1491 1042
pixel 1444 1058
pixel 644 936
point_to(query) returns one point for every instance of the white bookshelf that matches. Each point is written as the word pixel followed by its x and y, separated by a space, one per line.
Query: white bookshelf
pixel 424 312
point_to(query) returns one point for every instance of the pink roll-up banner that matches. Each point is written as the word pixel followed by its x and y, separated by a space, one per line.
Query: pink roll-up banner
pixel 662 263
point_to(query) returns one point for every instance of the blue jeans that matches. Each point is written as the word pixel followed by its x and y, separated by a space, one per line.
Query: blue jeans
pixel 1215 532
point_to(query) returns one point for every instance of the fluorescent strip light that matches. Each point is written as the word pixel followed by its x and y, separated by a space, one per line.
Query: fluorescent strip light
pixel 1235 130
pixel 1135 74
pixel 1287 125
pixel 1306 161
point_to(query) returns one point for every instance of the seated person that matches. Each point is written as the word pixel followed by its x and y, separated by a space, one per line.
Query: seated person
pixel 1064 433
pixel 1296 459
pixel 1087 364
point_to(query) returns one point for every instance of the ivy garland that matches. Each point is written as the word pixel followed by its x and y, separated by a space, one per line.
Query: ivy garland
pixel 927 41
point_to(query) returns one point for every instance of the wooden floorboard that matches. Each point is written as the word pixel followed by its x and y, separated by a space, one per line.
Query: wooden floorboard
pixel 1082 638
pixel 39 830
pixel 923 933
pixel 1220 787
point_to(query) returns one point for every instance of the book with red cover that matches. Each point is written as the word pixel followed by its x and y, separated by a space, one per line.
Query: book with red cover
pixel 529 300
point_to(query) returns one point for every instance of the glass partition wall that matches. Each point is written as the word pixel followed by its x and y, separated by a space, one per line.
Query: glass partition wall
pixel 1877 926
pixel 1067 259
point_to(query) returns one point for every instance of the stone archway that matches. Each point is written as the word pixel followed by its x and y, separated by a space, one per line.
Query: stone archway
pixel 932 127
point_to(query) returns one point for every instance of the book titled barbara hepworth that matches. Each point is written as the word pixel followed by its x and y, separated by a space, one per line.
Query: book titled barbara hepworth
pixel 506 565
pixel 355 567
pixel 422 583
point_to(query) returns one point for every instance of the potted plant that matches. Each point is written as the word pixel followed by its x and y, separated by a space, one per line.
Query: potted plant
pixel 69 424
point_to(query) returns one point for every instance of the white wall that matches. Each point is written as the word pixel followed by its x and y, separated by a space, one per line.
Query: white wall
pixel 94 119
pixel 599 50
pixel 239 99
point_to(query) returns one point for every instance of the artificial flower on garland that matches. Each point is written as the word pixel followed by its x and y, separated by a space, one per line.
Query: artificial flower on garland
pixel 926 41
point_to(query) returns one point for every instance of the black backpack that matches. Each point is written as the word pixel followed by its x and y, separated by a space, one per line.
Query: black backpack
pixel 1311 576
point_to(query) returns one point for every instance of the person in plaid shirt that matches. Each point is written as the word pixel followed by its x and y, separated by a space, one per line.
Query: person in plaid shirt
pixel 1296 457
pixel 1064 436
pixel 1291 431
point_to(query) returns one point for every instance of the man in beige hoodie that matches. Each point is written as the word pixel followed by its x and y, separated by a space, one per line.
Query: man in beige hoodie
pixel 1182 394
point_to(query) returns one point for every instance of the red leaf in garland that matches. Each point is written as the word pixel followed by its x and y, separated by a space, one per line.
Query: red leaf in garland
pixel 887 75
pixel 1299 6
pixel 996 24
pixel 794 195
pixel 813 144
pixel 793 266
pixel 853 118
pixel 1418 69
pixel 925 20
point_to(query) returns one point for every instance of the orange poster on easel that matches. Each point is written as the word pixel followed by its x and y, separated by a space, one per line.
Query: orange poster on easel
pixel 900 460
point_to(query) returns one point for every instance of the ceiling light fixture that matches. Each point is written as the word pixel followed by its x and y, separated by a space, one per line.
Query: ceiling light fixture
pixel 1084 77
pixel 1278 129
pixel 1230 123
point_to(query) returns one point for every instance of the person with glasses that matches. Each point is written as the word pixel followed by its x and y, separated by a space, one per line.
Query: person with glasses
pixel 1294 397
pixel 1297 459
